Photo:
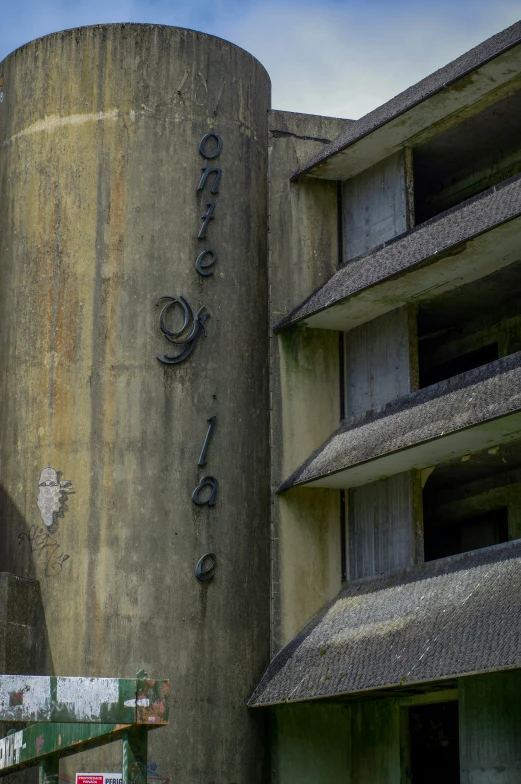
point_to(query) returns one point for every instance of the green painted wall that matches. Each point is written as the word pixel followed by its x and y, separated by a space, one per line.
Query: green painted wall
pixel 490 728
pixel 341 743
pixel 311 744
pixel 375 742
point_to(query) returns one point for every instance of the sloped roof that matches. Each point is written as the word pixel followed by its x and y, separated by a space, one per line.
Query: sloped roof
pixel 466 413
pixel 425 245
pixel 433 84
pixel 448 618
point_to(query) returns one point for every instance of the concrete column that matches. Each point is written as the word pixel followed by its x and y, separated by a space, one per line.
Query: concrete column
pixel 385 517
pixel 311 744
pixel 490 728
pixel 304 372
pixel 381 360
pixel 100 215
pixel 378 204
pixel 385 525
pixel 375 742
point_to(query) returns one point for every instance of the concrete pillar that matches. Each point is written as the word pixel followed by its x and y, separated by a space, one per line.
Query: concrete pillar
pixel 304 373
pixel 385 525
pixel 378 204
pixel 385 517
pixel 381 360
pixel 100 217
pixel 490 727
pixel 375 742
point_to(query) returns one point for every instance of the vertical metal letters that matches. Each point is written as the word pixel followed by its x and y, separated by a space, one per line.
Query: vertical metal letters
pixel 204 269
pixel 202 457
pixel 206 171
pixel 210 147
pixel 206 481
pixel 203 575
pixel 205 493
pixel 207 217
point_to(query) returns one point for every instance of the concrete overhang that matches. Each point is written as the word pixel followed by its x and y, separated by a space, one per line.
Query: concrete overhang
pixel 466 243
pixel 441 620
pixel 468 413
pixel 450 95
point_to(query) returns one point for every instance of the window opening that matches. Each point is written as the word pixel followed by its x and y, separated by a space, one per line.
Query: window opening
pixel 469 327
pixel 471 533
pixel 432 373
pixel 434 743
pixel 472 502
pixel 468 158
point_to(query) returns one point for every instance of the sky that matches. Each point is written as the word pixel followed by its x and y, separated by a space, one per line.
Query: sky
pixel 334 57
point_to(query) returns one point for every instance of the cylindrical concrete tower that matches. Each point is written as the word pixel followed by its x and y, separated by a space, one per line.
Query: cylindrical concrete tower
pixel 133 172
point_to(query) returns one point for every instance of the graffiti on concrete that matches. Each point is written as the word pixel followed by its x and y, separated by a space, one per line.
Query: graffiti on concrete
pixel 52 492
pixel 45 546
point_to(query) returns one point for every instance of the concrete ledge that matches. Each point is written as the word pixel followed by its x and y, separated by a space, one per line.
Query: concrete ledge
pixel 457 85
pixel 429 623
pixel 465 243
pixel 467 413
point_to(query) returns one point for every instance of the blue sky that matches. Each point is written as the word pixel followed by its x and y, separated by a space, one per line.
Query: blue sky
pixel 336 57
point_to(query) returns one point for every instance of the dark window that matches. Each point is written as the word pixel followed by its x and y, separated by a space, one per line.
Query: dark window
pixel 471 533
pixel 470 326
pixel 473 501
pixel 434 743
pixel 469 158
pixel 431 374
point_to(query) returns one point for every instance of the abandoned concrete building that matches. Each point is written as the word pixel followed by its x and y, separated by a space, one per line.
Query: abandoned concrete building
pixel 273 363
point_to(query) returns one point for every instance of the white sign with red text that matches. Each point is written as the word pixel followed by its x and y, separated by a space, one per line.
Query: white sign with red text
pixel 99 778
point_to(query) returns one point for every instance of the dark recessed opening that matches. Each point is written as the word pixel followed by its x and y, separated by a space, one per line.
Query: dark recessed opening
pixel 471 533
pixel 471 326
pixel 459 364
pixel 472 502
pixel 469 158
pixel 434 743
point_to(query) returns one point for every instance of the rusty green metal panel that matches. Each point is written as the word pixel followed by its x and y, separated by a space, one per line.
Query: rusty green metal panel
pixel 88 700
pixel 40 741
pixel 152 701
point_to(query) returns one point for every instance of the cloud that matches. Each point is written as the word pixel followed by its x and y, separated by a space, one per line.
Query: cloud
pixel 344 59
pixel 334 57
pixel 28 19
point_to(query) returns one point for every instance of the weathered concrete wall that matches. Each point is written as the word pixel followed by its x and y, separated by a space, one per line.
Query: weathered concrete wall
pixel 23 644
pixel 324 743
pixel 311 744
pixel 490 727
pixel 378 204
pixel 375 742
pixel 385 525
pixel 381 360
pixel 100 214
pixel 385 517
pixel 304 372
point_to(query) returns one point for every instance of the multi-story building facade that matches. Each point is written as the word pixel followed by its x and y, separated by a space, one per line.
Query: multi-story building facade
pixel 142 166
pixel 395 263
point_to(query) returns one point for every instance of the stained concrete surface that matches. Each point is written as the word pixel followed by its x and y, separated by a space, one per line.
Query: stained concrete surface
pixel 99 217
